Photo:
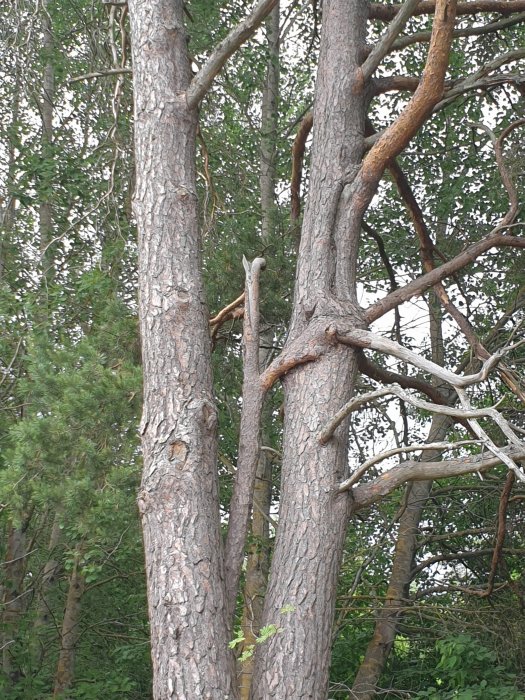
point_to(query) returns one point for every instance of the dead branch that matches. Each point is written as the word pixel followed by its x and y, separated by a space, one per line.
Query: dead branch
pixel 367 494
pixel 467 413
pixel 220 317
pixel 453 556
pixel 101 74
pixel 366 339
pixel 379 374
pixel 443 446
pixel 427 248
pixel 232 311
pixel 249 437
pixel 488 28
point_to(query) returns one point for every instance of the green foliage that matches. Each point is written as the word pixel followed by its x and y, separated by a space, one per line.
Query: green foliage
pixel 467 670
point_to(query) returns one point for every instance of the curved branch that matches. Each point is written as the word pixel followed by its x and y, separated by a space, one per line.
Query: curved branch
pixel 379 374
pixel 367 494
pixel 443 446
pixel 421 284
pixel 429 91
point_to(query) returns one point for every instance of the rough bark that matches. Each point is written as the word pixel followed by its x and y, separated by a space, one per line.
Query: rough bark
pixel 294 662
pixel 70 634
pixel 179 494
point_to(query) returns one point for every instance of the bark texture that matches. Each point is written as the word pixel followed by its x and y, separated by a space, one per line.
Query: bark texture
pixel 179 494
pixel 294 662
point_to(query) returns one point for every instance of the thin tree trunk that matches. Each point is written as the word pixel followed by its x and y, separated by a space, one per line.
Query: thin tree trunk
pixel 8 208
pixel 417 493
pixel 14 597
pixel 178 500
pixel 70 634
pixel 258 560
pixel 48 580
pixel 294 662
pixel 45 211
pixel 378 650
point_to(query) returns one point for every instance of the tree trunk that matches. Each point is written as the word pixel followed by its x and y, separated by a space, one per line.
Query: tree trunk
pixel 380 646
pixel 258 559
pixel 43 608
pixel 179 495
pixel 45 210
pixel 294 662
pixel 13 598
pixel 70 634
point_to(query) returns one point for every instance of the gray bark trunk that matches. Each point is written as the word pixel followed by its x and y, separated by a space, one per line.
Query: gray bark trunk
pixel 294 662
pixel 179 494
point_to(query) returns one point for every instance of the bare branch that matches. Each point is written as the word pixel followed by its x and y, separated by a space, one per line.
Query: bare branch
pixel 384 44
pixel 470 82
pixel 454 89
pixel 367 494
pixel 488 28
pixel 489 444
pixel 428 7
pixel 100 74
pixel 227 309
pixel 427 250
pixel 467 412
pixel 356 476
pixel 421 284
pixel 366 339
pixel 249 437
pixel 202 82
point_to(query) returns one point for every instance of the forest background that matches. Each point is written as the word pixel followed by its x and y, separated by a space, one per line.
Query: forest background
pixel 430 589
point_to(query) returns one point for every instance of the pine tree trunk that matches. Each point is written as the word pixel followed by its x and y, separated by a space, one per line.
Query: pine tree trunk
pixel 294 662
pixel 179 495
